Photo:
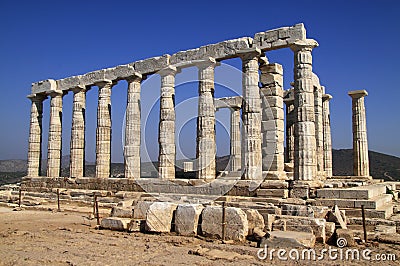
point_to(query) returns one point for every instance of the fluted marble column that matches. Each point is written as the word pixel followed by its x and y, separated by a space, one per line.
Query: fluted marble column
pixel 327 135
pixel 272 120
pixel 360 142
pixel 251 116
pixel 290 119
pixel 236 157
pixel 35 135
pixel 103 130
pixel 319 131
pixel 133 128
pixel 305 167
pixel 206 146
pixel 55 134
pixel 77 146
pixel 166 137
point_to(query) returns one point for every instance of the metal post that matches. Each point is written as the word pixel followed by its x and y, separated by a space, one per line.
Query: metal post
pixel 94 203
pixel 97 210
pixel 19 198
pixel 223 221
pixel 363 222
pixel 58 200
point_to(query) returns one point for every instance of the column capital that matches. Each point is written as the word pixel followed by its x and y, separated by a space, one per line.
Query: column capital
pixel 357 93
pixel 104 83
pixel 54 93
pixel 202 64
pixel 135 77
pixel 249 52
pixel 326 97
pixel 80 88
pixel 37 97
pixel 169 70
pixel 263 60
pixel 304 45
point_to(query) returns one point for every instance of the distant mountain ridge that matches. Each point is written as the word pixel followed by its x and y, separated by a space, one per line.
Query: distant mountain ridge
pixel 382 166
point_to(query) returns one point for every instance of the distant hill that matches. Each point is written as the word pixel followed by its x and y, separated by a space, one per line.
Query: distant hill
pixel 382 166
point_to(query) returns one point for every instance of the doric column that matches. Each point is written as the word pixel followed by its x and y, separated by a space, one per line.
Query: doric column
pixel 236 157
pixel 132 128
pixel 35 135
pixel 251 116
pixel 290 118
pixel 360 142
pixel 166 137
pixel 305 167
pixel 77 146
pixel 327 135
pixel 55 134
pixel 319 133
pixel 103 130
pixel 206 146
pixel 272 120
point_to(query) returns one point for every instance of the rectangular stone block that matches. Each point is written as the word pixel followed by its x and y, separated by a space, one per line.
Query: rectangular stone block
pixel 93 77
pixel 115 223
pixel 151 65
pixel 69 83
pixel 187 219
pixel 44 86
pixel 119 72
pixel 278 38
pixel 278 193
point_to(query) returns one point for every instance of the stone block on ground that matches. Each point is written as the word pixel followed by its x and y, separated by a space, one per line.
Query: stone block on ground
pixel 255 220
pixel 345 238
pixel 159 217
pixel 236 227
pixel 140 209
pixel 115 223
pixel 187 219
pixel 122 212
pixel 288 239
pixel 385 229
pixel 297 210
pixel 136 225
pixel 337 216
pixel 305 224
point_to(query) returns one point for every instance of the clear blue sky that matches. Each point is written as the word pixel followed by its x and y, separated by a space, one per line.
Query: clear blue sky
pixel 359 49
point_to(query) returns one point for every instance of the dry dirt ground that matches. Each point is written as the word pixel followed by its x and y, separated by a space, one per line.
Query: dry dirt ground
pixel 31 237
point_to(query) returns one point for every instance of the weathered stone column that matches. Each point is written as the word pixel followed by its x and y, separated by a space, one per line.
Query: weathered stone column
pixel 206 146
pixel 305 167
pixel 35 135
pixel 103 130
pixel 133 128
pixel 360 142
pixel 272 125
pixel 166 137
pixel 55 134
pixel 290 119
pixel 236 153
pixel 251 116
pixel 77 146
pixel 319 133
pixel 327 135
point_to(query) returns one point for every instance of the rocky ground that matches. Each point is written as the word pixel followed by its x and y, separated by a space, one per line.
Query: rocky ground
pixel 34 237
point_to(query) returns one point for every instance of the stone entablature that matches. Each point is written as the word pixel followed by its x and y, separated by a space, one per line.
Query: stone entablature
pixel 268 40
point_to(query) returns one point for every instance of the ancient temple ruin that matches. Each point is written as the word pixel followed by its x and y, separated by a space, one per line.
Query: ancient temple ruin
pixel 257 137
pixel 288 188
